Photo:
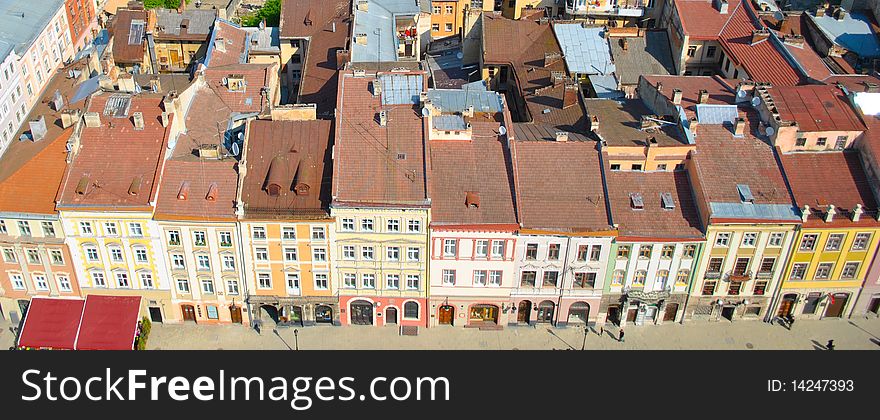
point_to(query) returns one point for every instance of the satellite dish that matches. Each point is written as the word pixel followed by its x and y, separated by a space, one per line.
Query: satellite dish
pixel 778 15
pixel 741 93
pixel 756 101
pixel 425 112
pixel 459 55
pixel 235 149
pixel 769 131
pixel 502 130
pixel 240 135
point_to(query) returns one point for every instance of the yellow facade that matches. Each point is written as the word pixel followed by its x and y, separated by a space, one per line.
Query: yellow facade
pixel 447 17
pixel 176 56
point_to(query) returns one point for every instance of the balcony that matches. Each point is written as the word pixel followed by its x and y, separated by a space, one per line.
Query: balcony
pixel 712 275
pixel 630 8
pixel 739 277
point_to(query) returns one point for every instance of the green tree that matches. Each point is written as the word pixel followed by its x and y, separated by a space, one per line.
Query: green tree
pixel 271 11
pixel 162 4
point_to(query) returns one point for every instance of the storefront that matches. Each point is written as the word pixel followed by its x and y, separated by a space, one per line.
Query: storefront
pixel 300 311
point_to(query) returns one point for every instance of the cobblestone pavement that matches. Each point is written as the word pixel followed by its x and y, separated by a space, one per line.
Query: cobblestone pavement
pixel 861 334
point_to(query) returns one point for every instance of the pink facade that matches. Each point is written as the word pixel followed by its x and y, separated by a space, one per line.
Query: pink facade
pixel 381 311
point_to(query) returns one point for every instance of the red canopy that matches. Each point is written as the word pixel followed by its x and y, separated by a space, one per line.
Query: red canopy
pixel 109 323
pixel 51 323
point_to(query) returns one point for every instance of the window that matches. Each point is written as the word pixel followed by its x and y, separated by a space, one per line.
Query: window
pixel 682 276
pixel 494 278
pixel 661 167
pixel 231 287
pixel 550 278
pixel 412 281
pixel 823 271
pixel 710 51
pixel 623 251
pixel 834 242
pixel 840 144
pixel 448 27
pixel 709 288
pixel 749 239
pixel 367 253
pixel 667 251
pixel 800 141
pixel 207 287
pixel 637 167
pixel 288 233
pixel 182 285
pixel 528 279
pixel 715 264
pixel 177 262
pixel 822 141
pixel 722 239
pixel 393 225
pixel 140 255
pixel 808 242
pixel 689 251
pixel 368 281
pixel 91 253
pixel 413 254
pixel 261 254
pixel 860 243
pixel 584 280
pixel 24 228
pixel 553 252
pixel 64 284
pixel 40 282
pixel 645 251
pixel 767 265
pixel 733 288
pixel 741 266
pixel 436 10
pixel 116 254
pixel 135 229
pixel 85 228
pixel 33 256
pixel 639 278
pixel 448 277
pixel 290 254
pixel 760 288
pixel 122 280
pixel 595 252
pixel 663 277
pixel 98 279
pixel 17 281
pixel 3 227
pixel 582 252
pixel 322 281
pixel 414 226
pixel 9 255
pixel 392 281
pixel 692 51
pixel 411 310
pixel 480 277
pixel 226 239
pixel 319 254
pixel 481 248
pixel 435 26
pixel 199 238
pixel 850 270
pixel 203 262
pixel 173 237
pixel 449 247
pixel 349 280
pixel 318 233
pixel 615 166
pixel 776 239
pixel 798 271
pixel 258 232
pixel 293 281
pixel 264 280
pixel 393 253
pixel 110 229
pixel 448 10
pixel 532 252
pixel 617 277
pixel 48 229
pixel 348 252
pixel 228 262
pixel 348 224
pixel 367 225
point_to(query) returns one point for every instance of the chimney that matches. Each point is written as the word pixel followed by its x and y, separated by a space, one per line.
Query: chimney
pixel 821 10
pixel 69 117
pixel 209 151
pixel 155 84
pixel 469 112
pixel 105 82
pixel 739 127
pixel 703 96
pixel 676 96
pixel 660 87
pixel 692 124
pixel 829 213
pixel 126 83
pixel 561 136
pixel 551 58
pixel 570 94
pixel 138 119
pixel 375 88
pixel 342 58
pixel 383 118
pixel 760 35
pixel 722 6
pixel 360 39
pixel 38 128
pixel 164 118
pixel 92 119
pixel 872 87
pixel 857 213
pixel 594 124
pixel 805 213
pixel 362 5
pixel 624 44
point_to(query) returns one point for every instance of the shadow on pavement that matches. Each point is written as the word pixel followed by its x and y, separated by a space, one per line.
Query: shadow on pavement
pixel 570 347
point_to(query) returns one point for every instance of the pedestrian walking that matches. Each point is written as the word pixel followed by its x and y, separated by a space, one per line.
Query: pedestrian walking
pixel 620 336
pixel 830 345
pixel 601 331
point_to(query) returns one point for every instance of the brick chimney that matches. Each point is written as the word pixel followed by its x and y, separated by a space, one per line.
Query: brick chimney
pixel 703 96
pixel 693 124
pixel 759 35
pixel 739 127
pixel 570 94
pixel 676 96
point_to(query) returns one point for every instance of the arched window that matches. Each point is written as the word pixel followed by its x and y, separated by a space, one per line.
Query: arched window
pixel 411 310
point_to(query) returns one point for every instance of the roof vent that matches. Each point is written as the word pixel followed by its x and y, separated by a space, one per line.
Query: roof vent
pixel 38 128
pixel 561 136
pixel 138 119
pixel 363 5
pixel 666 199
pixel 745 193
pixel 183 192
pixel 212 192
pixel 472 199
pixel 92 119
pixel 82 187
pixel 636 201
pixel 135 187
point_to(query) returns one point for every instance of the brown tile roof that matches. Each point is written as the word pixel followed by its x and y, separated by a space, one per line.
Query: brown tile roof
pixel 559 186
pixel 812 64
pixel 115 160
pixel 249 100
pixel 818 179
pixel 367 167
pixel 288 153
pixel 700 20
pixel 653 220
pixel 721 92
pixel 305 18
pixel 482 167
pixel 208 189
pixel 620 124
pixel 123 52
pixel 234 44
pixel 319 76
pixel 540 132
pixel 816 108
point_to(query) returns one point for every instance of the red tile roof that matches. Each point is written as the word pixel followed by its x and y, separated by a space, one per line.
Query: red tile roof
pixel 208 188
pixel 700 20
pixel 115 159
pixel 481 166
pixel 289 153
pixel 234 44
pixel 816 108
pixel 559 186
pixel 367 167
pixel 252 99
pixel 721 92
pixel 319 73
pixel 810 61
pixel 653 220
pixel 818 179
pixel 123 52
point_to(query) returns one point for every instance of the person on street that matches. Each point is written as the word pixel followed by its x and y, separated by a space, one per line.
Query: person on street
pixel 620 336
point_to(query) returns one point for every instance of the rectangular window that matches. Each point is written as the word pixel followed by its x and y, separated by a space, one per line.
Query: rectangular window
pixel 645 251
pixel 710 51
pixel 261 254
pixel 24 228
pixel 288 233
pixel 528 279
pixel 582 252
pixel 64 284
pixel 292 281
pixel 91 253
pixel 722 239
pixel 17 281
pixel 393 253
pixel 349 280
pixel 319 255
pixel 173 238
pixel 850 270
pixel 177 262
pixel 449 277
pixel 860 243
pixel 228 263
pixel 715 264
pixel 85 228
pixel 40 282
pixel 480 277
pixel 349 252
pixel 98 279
pixel 368 281
pixel 3 227
pixel 481 248
pixel 767 265
pixel 33 256
pixel 226 239
pixel 595 252
pixel 367 225
pixel 776 239
pixel 741 266
pixel 414 226
pixel 264 280
pixel 367 253
pixel 448 27
pixel 450 247
pixel 667 251
pixel 203 262
pixel 553 252
pixel 347 225
pixel 585 280
pixel 834 241
pixel 550 278
pixel 709 288
pixel 392 281
pixel 798 271
pixel 199 238
pixel 412 281
pixel 207 287
pixel 393 225
pixel 494 278
pixel 258 232
pixel 640 277
pixel 231 287
pixel 116 254
pixel 290 254
pixel 689 251
pixel 9 255
pixel 135 229
pixel 48 229
pixel 413 254
pixel 808 242
pixel 623 251
pixel 692 51
pixel 682 276
pixel 110 229
pixel 318 233
pixel 122 280
pixel 531 252
pixel 822 141
pixel 749 239
pixel 823 271
pixel 734 288
pixel 140 255
pixel 760 288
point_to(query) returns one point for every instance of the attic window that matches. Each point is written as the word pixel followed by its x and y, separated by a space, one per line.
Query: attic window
pixel 235 83
pixel 472 199
pixel 305 173
pixel 183 192
pixel 636 201
pixel 666 199
pixel 83 185
pixel 401 156
pixel 275 176
pixel 212 192
pixel 745 193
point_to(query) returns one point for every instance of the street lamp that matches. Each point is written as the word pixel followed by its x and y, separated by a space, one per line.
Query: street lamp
pixel 296 338
pixel 586 331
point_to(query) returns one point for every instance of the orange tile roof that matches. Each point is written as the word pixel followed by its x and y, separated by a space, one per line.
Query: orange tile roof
pixel 32 188
pixel 816 108
pixel 234 46
pixel 701 20
pixel 202 190
pixel 251 99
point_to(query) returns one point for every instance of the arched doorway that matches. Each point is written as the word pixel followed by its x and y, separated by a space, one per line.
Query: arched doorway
pixel 786 306
pixel 270 311
pixel 579 313
pixel 294 314
pixel 483 314
pixel 390 315
pixel 446 314
pixel 189 313
pixel 524 314
pixel 836 305
pixel 361 312
pixel 613 315
pixel 323 314
pixel 545 311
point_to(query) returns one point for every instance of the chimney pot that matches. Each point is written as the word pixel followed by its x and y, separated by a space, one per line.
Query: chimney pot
pixel 805 213
pixel 676 96
pixel 138 120
pixel 857 213
pixel 703 96
pixel 830 212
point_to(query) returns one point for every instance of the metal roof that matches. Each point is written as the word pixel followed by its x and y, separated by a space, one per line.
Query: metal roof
pixel 585 49
pixel 22 20
pixel 400 89
pixel 605 86
pixel 716 114
pixel 377 23
pixel 853 32
pixel 449 123
pixel 754 211
pixel 458 100
pixel 200 21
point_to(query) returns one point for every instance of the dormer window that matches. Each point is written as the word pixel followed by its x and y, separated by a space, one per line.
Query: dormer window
pixel 636 201
pixel 745 193
pixel 235 83
pixel 472 199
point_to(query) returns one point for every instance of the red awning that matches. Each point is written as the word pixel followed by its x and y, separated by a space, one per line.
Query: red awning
pixel 51 323
pixel 109 323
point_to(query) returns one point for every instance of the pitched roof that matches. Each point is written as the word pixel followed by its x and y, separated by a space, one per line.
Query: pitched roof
pixel 818 179
pixel 375 164
pixel 307 18
pixel 319 79
pixel 118 166
pixel 128 47
pixel 22 21
pixel 648 54
pixel 288 154
pixel 566 200
pixel 720 91
pixel 480 166
pixel 700 19
pixel 653 219
pixel 191 24
pixel 619 124
pixel 251 98
pixel 229 45
pixel 816 108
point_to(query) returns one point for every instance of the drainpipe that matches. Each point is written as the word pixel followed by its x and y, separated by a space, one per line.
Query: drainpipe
pixel 243 288
pixel 564 271
pixel 687 298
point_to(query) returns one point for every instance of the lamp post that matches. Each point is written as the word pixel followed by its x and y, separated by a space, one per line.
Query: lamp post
pixel 296 339
pixel 586 331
